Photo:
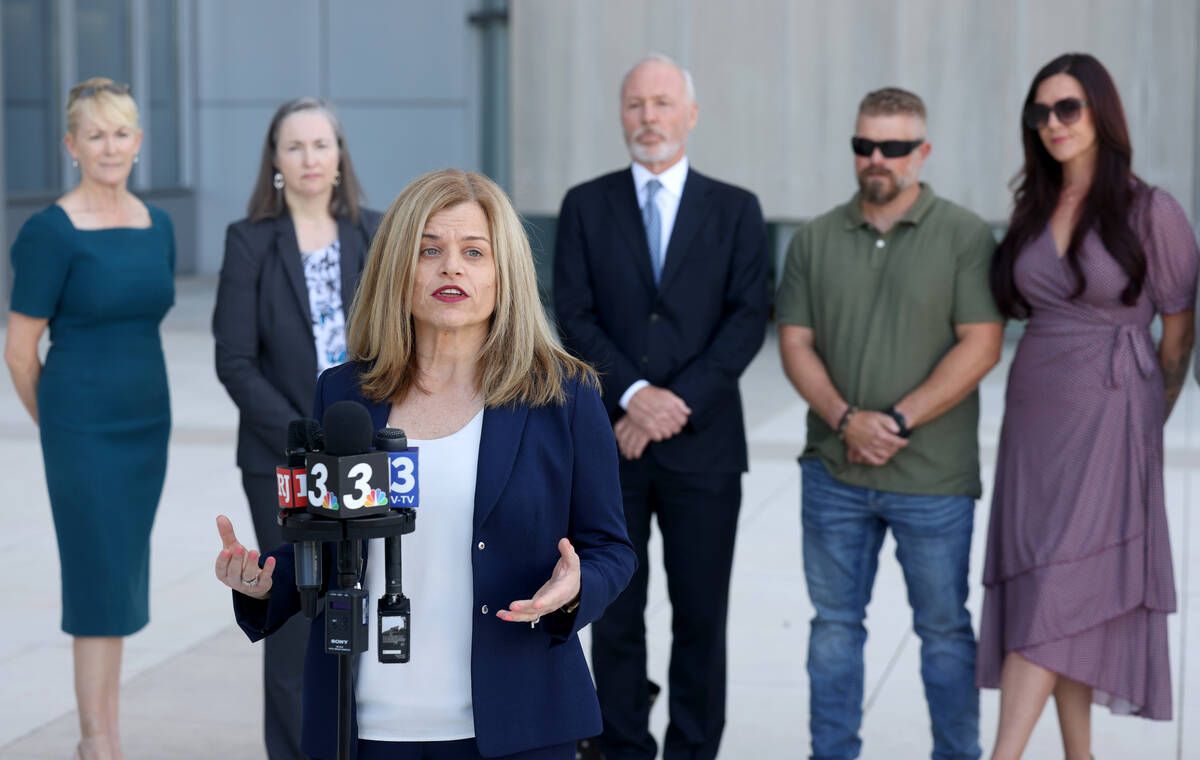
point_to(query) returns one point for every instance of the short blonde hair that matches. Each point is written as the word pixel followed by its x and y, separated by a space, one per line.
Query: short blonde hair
pixel 104 100
pixel 520 361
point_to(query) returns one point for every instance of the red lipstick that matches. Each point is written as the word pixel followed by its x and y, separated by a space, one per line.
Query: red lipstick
pixel 450 294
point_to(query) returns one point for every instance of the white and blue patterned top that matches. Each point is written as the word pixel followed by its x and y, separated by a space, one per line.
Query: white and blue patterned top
pixel 323 275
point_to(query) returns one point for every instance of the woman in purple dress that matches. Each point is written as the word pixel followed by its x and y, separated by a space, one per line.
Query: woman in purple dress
pixel 1078 574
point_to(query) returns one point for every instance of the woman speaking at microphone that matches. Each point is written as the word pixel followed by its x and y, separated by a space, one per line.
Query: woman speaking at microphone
pixel 520 540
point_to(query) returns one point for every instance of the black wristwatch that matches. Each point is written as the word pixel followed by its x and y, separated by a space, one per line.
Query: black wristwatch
pixel 899 418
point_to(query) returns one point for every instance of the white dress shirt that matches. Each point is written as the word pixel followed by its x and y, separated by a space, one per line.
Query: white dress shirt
pixel 667 199
pixel 429 698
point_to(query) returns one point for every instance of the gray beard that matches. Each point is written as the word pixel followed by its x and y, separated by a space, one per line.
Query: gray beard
pixel 661 152
pixel 878 189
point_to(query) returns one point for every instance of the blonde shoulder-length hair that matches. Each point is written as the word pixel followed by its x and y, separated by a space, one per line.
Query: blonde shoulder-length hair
pixel 520 361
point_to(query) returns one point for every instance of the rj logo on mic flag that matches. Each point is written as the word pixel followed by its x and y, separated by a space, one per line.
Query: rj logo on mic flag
pixel 283 486
pixel 402 478
pixel 290 487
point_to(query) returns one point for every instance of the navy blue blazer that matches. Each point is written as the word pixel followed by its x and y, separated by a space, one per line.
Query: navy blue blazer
pixel 544 473
pixel 695 333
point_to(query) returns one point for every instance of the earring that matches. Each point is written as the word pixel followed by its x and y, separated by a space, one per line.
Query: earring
pixel 337 179
pixel 277 181
pixel 136 157
pixel 75 162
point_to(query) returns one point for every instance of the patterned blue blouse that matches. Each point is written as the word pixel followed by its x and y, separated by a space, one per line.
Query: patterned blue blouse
pixel 323 275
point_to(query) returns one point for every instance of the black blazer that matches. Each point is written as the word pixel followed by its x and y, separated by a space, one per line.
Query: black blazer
pixel 695 333
pixel 266 357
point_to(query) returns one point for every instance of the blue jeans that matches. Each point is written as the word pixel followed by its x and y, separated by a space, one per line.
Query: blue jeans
pixel 843 531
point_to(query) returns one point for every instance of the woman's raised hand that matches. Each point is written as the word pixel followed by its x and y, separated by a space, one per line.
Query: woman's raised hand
pixel 238 568
pixel 562 588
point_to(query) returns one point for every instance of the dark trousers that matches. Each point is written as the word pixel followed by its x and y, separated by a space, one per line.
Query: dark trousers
pixel 463 749
pixel 283 661
pixel 697 516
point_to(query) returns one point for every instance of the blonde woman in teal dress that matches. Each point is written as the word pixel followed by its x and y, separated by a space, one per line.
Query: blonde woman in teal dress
pixel 97 268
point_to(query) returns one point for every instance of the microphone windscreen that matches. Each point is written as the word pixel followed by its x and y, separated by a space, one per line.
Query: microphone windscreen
pixel 314 436
pixel 347 429
pixel 391 439
pixel 299 435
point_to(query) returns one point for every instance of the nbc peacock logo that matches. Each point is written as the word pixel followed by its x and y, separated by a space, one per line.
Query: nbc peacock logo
pixel 377 498
pixel 330 502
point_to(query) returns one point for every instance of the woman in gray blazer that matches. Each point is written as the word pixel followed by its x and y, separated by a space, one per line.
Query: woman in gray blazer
pixel 287 284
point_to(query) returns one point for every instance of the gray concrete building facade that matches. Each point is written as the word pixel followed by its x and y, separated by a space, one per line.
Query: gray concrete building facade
pixel 778 84
pixel 526 90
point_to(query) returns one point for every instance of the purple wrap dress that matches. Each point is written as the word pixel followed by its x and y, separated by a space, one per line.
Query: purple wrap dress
pixel 1078 575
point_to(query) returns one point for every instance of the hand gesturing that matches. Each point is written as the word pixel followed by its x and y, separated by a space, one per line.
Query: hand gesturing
pixel 237 568
pixel 562 587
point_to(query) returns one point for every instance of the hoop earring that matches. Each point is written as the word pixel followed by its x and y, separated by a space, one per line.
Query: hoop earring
pixel 337 179
pixel 277 181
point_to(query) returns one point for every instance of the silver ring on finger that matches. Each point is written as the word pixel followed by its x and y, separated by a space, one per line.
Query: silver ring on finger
pixel 252 582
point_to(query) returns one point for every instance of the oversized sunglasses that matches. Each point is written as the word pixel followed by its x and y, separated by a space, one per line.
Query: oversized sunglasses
pixel 115 88
pixel 889 148
pixel 1068 110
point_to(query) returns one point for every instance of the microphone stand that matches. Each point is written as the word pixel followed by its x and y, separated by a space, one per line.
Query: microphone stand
pixel 348 535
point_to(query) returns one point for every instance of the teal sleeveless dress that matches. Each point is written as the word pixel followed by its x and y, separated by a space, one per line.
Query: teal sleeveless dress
pixel 103 408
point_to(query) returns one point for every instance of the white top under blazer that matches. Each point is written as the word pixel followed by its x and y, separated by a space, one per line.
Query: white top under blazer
pixel 428 698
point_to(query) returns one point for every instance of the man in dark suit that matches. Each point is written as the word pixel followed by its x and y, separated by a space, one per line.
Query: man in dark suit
pixel 660 282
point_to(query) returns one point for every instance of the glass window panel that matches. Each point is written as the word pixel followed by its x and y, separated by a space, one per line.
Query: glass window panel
pixel 163 138
pixel 30 109
pixel 29 162
pixel 102 39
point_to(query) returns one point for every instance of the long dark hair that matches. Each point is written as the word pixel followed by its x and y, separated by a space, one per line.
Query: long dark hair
pixel 1107 205
pixel 267 203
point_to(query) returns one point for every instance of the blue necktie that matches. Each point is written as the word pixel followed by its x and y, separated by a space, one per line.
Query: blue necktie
pixel 653 222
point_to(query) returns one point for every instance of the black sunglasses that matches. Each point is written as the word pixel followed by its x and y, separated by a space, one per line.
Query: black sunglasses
pixel 115 88
pixel 1068 110
pixel 889 148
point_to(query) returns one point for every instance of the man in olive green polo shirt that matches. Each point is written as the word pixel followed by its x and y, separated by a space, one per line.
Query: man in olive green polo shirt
pixel 887 325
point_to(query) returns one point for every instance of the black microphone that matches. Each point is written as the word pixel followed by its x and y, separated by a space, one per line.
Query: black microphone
pixel 314 436
pixel 344 480
pixel 394 608
pixel 290 476
pixel 303 436
pixel 347 480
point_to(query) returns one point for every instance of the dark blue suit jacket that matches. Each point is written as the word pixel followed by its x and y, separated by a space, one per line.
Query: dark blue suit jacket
pixel 543 473
pixel 695 333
